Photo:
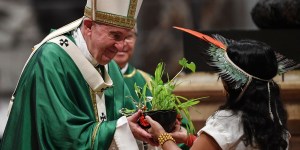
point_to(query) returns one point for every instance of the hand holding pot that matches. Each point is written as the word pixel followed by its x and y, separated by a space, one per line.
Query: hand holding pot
pixel 156 129
pixel 137 131
pixel 180 133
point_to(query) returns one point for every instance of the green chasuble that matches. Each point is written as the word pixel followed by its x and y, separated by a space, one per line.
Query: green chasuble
pixel 53 106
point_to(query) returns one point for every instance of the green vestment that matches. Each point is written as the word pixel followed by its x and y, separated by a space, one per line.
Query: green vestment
pixel 53 106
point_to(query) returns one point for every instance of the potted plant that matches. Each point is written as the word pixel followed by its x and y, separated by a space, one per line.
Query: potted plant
pixel 166 107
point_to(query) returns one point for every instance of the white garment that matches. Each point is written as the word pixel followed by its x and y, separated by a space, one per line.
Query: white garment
pixel 227 130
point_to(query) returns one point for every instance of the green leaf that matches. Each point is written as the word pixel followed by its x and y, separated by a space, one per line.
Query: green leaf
pixel 191 66
pixel 184 63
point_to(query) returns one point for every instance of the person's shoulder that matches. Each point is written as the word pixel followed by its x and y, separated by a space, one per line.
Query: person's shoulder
pixel 143 72
pixel 225 118
pixel 225 127
pixel 225 113
pixel 50 55
pixel 146 75
pixel 50 50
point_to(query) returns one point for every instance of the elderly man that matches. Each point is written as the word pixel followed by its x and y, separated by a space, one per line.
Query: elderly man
pixel 70 92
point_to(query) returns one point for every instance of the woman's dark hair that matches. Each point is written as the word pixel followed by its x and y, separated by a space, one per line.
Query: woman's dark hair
pixel 259 60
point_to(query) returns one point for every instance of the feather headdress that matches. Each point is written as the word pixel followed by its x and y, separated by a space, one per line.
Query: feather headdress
pixel 227 69
pixel 233 74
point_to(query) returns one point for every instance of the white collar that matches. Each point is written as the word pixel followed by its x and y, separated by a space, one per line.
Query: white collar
pixel 79 40
pixel 123 70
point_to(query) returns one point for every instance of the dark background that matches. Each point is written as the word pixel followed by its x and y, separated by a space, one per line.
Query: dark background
pixel 285 41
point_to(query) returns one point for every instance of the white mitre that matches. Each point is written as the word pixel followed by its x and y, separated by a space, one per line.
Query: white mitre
pixel 121 13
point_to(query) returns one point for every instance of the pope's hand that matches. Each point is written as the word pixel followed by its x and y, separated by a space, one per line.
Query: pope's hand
pixel 137 131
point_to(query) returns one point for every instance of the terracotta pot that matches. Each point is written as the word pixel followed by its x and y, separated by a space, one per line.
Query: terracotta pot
pixel 166 118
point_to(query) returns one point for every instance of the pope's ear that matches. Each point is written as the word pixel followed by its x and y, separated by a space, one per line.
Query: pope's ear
pixel 87 25
pixel 87 22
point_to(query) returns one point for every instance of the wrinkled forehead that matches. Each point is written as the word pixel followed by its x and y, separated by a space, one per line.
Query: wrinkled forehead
pixel 132 32
pixel 113 29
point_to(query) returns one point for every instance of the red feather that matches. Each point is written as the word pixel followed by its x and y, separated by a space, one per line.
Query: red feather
pixel 203 37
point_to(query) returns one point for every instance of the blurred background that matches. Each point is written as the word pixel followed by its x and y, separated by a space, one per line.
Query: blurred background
pixel 25 22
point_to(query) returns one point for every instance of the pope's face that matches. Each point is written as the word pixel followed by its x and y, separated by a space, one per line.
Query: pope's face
pixel 104 41
pixel 123 57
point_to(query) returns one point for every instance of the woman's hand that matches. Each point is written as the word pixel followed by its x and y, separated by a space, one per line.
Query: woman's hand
pixel 156 129
pixel 179 134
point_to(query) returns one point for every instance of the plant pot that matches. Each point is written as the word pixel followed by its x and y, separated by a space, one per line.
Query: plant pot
pixel 166 118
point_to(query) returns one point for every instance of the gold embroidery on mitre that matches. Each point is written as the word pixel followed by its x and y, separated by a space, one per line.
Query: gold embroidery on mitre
pixel 116 20
pixel 132 8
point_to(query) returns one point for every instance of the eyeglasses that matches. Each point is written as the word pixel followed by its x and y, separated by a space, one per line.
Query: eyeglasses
pixel 130 38
pixel 119 36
